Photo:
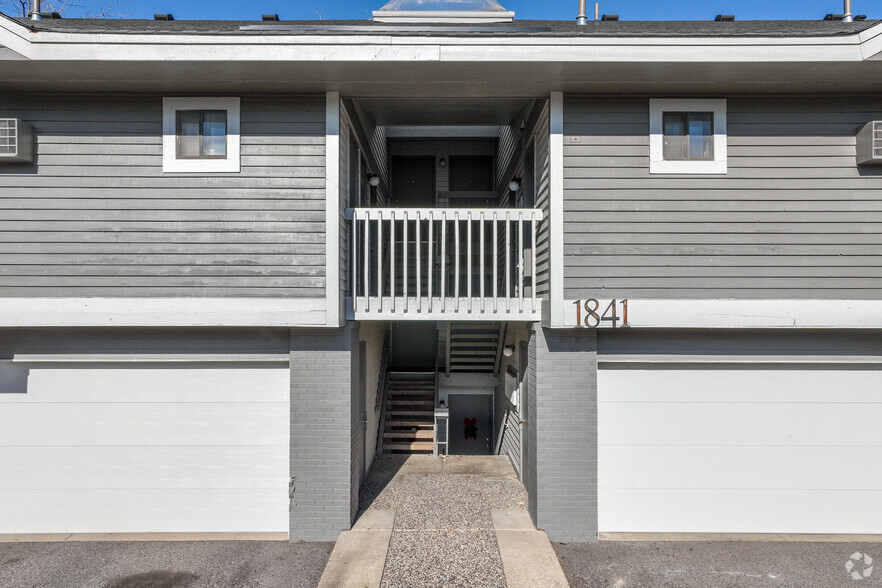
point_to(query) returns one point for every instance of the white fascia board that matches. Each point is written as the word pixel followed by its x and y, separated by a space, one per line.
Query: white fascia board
pixel 161 312
pixel 15 35
pixel 871 41
pixel 190 48
pixel 745 314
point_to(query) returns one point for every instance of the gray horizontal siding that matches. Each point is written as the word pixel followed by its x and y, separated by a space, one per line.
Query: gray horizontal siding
pixel 542 154
pixel 794 217
pixel 96 216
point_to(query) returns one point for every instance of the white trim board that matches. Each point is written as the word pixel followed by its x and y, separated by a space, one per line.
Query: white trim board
pixel 333 301
pixel 556 205
pixel 161 312
pixel 744 314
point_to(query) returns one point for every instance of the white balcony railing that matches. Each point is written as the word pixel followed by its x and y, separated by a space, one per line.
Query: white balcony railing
pixel 436 263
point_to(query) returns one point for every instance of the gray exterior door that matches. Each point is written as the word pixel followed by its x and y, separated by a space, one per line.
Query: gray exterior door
pixel 471 431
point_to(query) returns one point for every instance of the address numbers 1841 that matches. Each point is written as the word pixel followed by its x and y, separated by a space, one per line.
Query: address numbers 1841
pixel 593 313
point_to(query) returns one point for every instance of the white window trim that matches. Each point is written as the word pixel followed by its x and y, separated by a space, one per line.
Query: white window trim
pixel 657 162
pixel 170 161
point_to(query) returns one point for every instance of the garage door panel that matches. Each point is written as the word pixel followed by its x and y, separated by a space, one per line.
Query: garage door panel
pixel 145 511
pixel 732 449
pixel 727 423
pixel 103 448
pixel 143 383
pixel 133 467
pixel 144 424
pixel 739 511
pixel 743 467
pixel 748 383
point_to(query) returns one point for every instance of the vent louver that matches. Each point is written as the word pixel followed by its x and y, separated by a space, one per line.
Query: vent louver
pixel 869 144
pixel 16 141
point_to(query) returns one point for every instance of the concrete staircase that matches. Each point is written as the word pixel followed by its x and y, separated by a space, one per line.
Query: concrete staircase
pixel 474 347
pixel 410 407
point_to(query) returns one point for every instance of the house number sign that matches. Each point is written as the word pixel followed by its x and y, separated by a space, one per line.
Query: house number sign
pixel 594 313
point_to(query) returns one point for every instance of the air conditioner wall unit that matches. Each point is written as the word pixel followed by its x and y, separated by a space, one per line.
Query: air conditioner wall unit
pixel 16 141
pixel 869 144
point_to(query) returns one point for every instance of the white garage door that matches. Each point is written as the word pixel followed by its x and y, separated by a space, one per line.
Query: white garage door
pixel 752 449
pixel 141 448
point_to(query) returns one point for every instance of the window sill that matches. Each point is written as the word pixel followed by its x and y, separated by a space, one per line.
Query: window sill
pixel 688 167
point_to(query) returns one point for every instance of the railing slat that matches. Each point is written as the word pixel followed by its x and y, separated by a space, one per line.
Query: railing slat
pixel 495 262
pixel 507 261
pixel 404 245
pixel 521 261
pixel 533 230
pixel 482 275
pixel 380 258
pixel 469 275
pixel 430 267
pixel 419 281
pixel 443 260
pixel 456 261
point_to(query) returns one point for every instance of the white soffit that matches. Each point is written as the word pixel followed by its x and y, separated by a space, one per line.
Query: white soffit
pixel 443 12
pixel 405 131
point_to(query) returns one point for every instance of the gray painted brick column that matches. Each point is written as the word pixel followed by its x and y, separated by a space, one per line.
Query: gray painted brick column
pixel 561 461
pixel 324 483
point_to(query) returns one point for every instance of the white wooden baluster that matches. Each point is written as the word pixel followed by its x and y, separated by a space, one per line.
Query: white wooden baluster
pixel 392 258
pixel 380 259
pixel 469 259
pixel 443 260
pixel 367 261
pixel 404 259
pixel 495 260
pixel 481 269
pixel 521 261
pixel 456 261
pixel 430 267
pixel 353 256
pixel 507 261
pixel 534 227
pixel 419 272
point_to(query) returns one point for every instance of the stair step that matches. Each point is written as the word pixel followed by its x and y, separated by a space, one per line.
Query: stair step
pixel 410 413
pixel 409 423
pixel 417 434
pixel 415 446
pixel 411 391
pixel 411 402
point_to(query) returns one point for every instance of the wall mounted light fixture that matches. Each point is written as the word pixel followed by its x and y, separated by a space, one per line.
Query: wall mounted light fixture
pixel 508 350
pixel 373 179
pixel 442 162
pixel 515 184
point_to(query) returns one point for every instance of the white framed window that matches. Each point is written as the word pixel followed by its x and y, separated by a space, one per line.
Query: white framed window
pixel 200 135
pixel 687 136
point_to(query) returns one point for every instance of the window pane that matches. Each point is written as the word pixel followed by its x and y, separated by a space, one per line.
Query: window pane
pixel 701 133
pixel 674 123
pixel 214 133
pixel 188 133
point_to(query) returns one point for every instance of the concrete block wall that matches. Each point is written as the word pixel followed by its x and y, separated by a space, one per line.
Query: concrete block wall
pixel 324 432
pixel 562 433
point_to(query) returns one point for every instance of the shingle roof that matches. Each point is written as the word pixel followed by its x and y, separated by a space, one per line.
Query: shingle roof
pixel 744 28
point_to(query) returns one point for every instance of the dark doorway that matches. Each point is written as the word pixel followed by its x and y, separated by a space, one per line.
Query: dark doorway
pixel 413 346
pixel 470 430
pixel 413 182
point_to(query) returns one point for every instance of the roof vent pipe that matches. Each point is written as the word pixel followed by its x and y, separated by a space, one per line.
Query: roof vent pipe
pixel 35 11
pixel 596 11
pixel 847 16
pixel 582 18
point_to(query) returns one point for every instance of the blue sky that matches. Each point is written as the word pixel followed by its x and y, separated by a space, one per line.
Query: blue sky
pixel 524 9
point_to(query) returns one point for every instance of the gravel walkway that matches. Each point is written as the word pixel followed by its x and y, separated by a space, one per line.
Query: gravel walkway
pixel 443 534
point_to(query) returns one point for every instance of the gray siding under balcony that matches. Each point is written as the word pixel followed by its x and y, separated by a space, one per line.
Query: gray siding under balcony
pixel 794 217
pixel 96 216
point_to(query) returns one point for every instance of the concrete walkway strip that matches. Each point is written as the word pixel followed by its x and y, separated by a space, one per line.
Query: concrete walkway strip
pixel 359 556
pixel 527 556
